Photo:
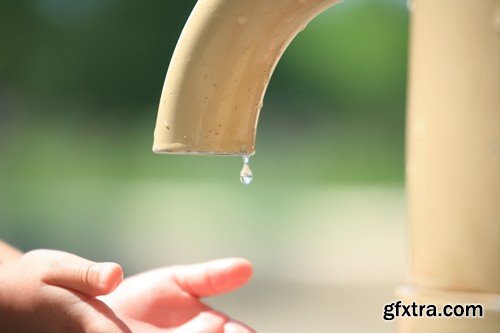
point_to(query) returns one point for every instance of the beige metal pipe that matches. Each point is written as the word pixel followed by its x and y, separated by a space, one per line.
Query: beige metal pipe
pixel 218 76
pixel 453 161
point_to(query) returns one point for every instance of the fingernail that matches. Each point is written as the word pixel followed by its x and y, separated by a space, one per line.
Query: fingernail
pixel 108 273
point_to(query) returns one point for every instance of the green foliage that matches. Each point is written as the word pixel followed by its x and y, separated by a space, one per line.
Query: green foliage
pixel 80 82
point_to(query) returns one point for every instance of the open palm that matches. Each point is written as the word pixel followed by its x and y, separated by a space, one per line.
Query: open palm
pixel 168 299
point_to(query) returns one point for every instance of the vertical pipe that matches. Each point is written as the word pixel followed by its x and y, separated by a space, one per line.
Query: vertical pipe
pixel 453 159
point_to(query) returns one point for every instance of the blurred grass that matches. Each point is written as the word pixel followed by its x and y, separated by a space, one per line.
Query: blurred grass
pixel 79 87
pixel 332 153
pixel 103 194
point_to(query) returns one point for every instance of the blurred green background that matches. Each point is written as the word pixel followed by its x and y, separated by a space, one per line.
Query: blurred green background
pixel 79 86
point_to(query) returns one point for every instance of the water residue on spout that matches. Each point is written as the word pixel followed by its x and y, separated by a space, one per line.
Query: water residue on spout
pixel 242 20
pixel 246 173
pixel 166 125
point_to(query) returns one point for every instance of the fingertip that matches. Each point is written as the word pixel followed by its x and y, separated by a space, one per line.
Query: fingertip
pixel 110 276
pixel 232 273
pixel 242 262
pixel 243 268
pixel 69 271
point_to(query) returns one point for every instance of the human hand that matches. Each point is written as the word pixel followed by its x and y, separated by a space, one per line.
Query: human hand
pixel 53 291
pixel 168 299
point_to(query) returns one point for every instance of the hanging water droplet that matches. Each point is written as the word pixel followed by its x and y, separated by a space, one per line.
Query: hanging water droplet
pixel 246 173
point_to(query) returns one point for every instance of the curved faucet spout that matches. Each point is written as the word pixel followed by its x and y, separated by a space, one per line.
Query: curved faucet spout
pixel 220 70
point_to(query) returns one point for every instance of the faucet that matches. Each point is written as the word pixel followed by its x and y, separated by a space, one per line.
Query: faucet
pixel 213 94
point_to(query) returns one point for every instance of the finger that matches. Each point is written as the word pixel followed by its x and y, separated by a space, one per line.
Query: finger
pixel 82 275
pixel 234 326
pixel 204 322
pixel 214 277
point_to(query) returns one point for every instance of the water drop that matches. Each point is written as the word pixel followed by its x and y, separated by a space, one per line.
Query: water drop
pixel 242 20
pixel 246 173
pixel 166 125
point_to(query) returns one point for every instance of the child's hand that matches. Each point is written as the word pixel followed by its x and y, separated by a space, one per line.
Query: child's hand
pixel 167 299
pixel 52 291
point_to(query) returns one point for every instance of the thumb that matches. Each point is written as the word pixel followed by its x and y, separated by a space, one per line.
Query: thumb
pixel 82 275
